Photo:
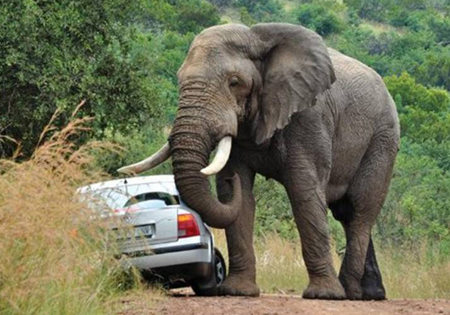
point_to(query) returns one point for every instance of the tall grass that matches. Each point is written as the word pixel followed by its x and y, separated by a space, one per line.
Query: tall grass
pixel 414 273
pixel 406 274
pixel 55 257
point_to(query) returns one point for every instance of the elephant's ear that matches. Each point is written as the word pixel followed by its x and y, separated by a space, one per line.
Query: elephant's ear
pixel 296 68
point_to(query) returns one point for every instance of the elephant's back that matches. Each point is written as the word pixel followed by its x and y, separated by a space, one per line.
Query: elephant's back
pixel 360 82
pixel 360 94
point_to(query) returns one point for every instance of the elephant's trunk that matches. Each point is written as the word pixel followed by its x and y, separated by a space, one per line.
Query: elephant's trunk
pixel 191 142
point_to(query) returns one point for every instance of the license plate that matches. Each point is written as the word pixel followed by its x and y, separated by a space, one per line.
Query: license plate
pixel 143 231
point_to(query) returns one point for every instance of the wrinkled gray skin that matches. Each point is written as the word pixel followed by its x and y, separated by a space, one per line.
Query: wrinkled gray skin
pixel 320 123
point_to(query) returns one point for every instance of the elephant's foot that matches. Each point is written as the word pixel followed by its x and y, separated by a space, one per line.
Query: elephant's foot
pixel 236 286
pixel 353 289
pixel 372 283
pixel 325 288
pixel 368 290
pixel 373 291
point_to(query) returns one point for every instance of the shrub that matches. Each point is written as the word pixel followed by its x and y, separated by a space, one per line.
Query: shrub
pixel 274 212
pixel 55 53
pixel 262 11
pixel 192 16
pixel 416 94
pixel 416 209
pixel 435 69
pixel 137 145
pixel 441 27
pixel 318 18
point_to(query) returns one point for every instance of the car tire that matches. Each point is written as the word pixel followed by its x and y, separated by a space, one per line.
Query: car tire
pixel 219 274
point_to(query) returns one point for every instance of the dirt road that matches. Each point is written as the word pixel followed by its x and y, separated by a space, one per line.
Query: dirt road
pixel 279 305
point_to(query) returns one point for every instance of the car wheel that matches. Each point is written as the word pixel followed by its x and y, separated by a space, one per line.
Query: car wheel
pixel 219 273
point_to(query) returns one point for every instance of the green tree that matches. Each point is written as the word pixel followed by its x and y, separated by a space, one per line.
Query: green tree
pixel 56 53
pixel 262 11
pixel 435 69
pixel 245 17
pixel 318 18
pixel 415 94
pixel 417 206
pixel 425 112
pixel 192 16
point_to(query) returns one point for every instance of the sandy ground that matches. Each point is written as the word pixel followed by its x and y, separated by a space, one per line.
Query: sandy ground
pixel 187 304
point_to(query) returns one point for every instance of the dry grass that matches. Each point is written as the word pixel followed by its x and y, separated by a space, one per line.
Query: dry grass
pixel 279 263
pixel 55 257
pixel 411 275
pixel 280 269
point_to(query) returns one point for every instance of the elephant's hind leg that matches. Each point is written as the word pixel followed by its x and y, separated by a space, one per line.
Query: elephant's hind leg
pixel 359 272
pixel 241 278
pixel 371 284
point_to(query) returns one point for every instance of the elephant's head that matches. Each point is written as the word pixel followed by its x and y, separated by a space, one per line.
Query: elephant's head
pixel 237 78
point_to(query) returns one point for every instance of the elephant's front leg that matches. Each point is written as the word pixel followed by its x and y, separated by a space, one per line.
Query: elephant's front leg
pixel 309 209
pixel 241 278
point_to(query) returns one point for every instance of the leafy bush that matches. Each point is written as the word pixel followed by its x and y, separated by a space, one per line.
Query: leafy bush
pixel 245 17
pixel 418 202
pixel 192 16
pixel 137 145
pixel 415 94
pixel 435 69
pixel 274 212
pixel 441 27
pixel 262 11
pixel 424 112
pixel 54 54
pixel 318 18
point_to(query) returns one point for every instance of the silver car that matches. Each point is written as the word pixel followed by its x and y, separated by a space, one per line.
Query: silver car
pixel 171 242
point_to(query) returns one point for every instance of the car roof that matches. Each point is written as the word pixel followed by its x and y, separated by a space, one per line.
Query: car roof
pixel 152 179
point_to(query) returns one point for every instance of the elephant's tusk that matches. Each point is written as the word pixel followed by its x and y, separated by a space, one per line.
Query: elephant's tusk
pixel 162 155
pixel 221 158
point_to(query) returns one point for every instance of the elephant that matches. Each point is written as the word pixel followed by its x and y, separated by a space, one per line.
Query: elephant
pixel 274 100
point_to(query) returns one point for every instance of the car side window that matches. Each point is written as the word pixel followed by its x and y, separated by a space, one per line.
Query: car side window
pixel 159 199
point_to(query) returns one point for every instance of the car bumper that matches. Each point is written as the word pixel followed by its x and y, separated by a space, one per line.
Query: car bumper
pixel 182 252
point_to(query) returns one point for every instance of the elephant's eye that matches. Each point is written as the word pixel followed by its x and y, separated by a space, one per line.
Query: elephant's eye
pixel 234 81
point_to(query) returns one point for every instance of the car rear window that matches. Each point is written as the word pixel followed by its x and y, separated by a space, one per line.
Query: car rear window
pixel 158 198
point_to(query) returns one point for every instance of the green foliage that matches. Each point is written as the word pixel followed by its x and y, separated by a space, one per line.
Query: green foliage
pixel 318 18
pixel 54 54
pixel 136 146
pixel 418 202
pixel 192 15
pixel 382 10
pixel 413 93
pixel 245 17
pixel 274 212
pixel 262 11
pixel 222 3
pixel 435 69
pixel 424 112
pixel 181 16
pixel 440 26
